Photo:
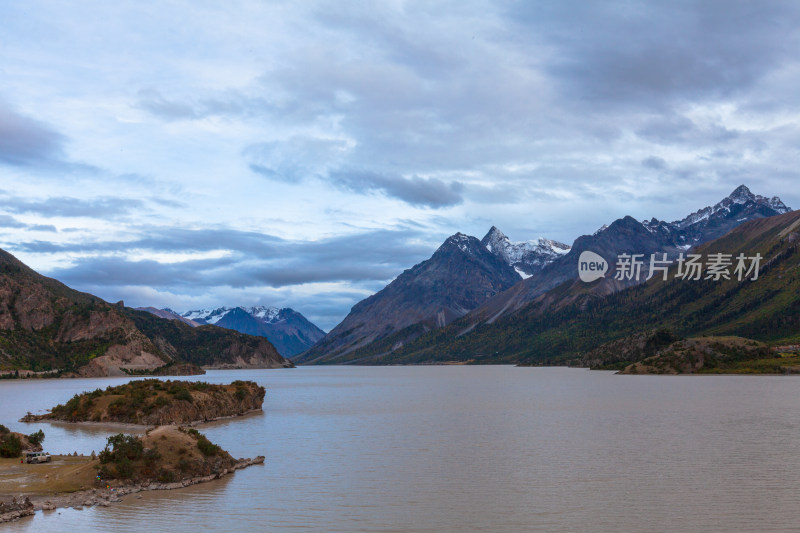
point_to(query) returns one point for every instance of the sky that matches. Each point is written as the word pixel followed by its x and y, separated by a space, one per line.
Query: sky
pixel 303 154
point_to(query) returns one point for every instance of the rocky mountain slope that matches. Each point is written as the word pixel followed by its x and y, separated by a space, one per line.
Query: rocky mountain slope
pixel 556 285
pixel 289 331
pixel 45 325
pixel 573 319
pixel 558 269
pixel 459 276
pixel 628 235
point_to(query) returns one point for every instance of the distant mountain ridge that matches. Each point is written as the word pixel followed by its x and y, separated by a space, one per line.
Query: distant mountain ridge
pixel 289 331
pixel 46 326
pixel 572 320
pixel 552 264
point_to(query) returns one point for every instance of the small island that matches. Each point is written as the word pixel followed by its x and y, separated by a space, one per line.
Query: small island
pixel 152 402
pixel 166 457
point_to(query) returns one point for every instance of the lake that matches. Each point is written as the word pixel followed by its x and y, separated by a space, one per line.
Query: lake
pixel 468 448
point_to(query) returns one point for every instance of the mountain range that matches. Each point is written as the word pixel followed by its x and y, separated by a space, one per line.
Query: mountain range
pixel 46 326
pixel 289 331
pixel 402 323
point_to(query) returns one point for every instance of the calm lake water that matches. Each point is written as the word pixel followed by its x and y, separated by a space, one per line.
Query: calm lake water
pixel 448 448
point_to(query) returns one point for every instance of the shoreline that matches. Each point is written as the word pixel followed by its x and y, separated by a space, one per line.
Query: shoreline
pixel 131 425
pixel 105 497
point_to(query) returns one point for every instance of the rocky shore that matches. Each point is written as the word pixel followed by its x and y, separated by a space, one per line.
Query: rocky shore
pixel 22 506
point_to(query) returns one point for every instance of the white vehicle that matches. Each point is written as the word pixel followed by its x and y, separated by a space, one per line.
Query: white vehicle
pixel 37 457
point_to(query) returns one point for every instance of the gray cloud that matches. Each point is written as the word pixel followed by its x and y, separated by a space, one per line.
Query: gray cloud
pixel 295 159
pixel 428 192
pixel 654 162
pixel 102 207
pixel 25 141
pixel 253 260
pixel 7 221
pixel 43 227
pixel 645 53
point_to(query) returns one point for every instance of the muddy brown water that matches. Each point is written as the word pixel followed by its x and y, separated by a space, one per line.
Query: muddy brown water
pixel 453 448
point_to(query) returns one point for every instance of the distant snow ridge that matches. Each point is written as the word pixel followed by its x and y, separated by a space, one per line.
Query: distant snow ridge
pixel 740 196
pixel 212 316
pixel 526 257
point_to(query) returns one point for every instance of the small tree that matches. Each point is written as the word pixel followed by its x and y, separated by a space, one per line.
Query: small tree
pixel 36 438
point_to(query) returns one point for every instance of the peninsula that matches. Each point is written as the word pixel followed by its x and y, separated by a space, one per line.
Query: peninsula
pixel 164 458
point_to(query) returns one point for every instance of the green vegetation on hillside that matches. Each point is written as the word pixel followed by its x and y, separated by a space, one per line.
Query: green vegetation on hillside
pixel 569 321
pixel 204 345
pixel 714 355
pixel 165 454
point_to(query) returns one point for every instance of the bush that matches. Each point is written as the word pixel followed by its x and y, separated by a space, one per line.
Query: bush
pixel 183 394
pixel 151 455
pixel 120 447
pixel 10 446
pixel 206 447
pixel 4 430
pixel 36 438
pixel 124 468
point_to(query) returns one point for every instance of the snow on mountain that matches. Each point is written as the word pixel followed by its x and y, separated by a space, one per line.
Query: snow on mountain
pixel 288 330
pixel 526 257
pixel 206 316
pixel 212 316
pixel 739 197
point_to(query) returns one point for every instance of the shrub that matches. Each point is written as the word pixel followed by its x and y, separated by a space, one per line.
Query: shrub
pixel 206 447
pixel 183 394
pixel 36 438
pixel 150 456
pixel 124 468
pixel 10 446
pixel 123 447
pixel 4 430
pixel 103 472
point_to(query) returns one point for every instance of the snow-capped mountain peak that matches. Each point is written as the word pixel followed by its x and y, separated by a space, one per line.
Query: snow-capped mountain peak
pixel 212 316
pixel 526 257
pixel 206 316
pixel 288 330
pixel 268 314
pixel 739 198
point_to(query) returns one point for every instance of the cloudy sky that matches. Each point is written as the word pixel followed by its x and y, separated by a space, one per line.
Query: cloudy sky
pixel 195 154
